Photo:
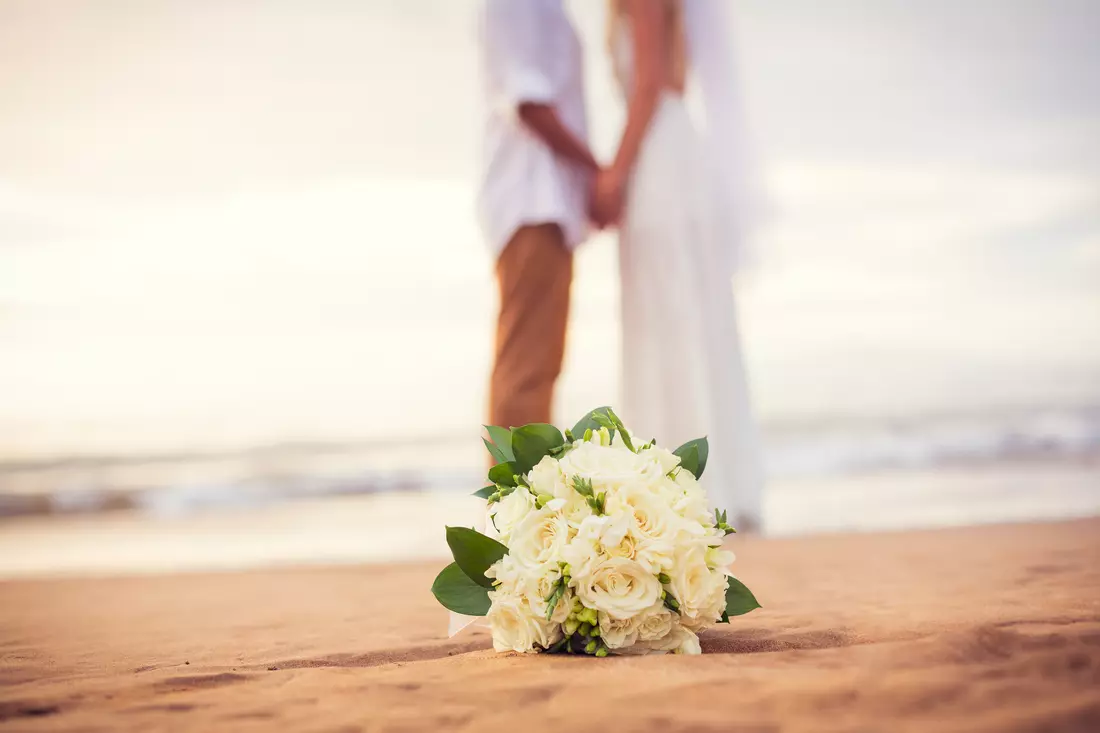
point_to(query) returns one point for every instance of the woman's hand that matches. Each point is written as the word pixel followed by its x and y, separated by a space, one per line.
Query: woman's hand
pixel 607 197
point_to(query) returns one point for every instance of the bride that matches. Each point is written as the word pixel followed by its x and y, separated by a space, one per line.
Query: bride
pixel 682 214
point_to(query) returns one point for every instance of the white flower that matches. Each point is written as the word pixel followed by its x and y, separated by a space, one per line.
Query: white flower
pixel 574 508
pixel 582 555
pixel 615 536
pixel 510 575
pixel 696 587
pixel 713 606
pixel 537 585
pixel 516 627
pixel 651 625
pixel 607 466
pixel 619 587
pixel 616 633
pixel 688 642
pixel 678 640
pixel 547 478
pixel 655 623
pixel 605 529
pixel 665 459
pixel 719 559
pixel 652 516
pixel 539 538
pixel 508 512
pixel 598 537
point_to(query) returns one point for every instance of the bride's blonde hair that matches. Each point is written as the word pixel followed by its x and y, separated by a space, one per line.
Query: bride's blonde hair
pixel 617 10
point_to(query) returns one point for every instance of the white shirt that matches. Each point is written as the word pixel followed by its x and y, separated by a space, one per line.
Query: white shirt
pixel 530 53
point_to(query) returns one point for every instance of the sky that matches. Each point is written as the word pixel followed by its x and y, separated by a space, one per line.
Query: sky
pixel 229 222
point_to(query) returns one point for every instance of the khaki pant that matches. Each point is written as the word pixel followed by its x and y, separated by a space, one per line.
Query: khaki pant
pixel 534 273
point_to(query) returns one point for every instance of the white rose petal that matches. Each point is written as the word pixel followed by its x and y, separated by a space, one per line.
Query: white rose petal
pixel 618 634
pixel 696 587
pixel 516 627
pixel 655 623
pixel 539 538
pixel 619 587
pixel 547 477
pixel 509 511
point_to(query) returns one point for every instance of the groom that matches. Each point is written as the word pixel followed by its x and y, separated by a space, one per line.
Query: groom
pixel 536 175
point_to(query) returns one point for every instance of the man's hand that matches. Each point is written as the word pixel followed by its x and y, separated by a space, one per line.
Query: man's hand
pixel 606 199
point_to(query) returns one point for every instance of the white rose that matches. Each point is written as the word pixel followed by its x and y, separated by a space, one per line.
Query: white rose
pixel 652 516
pixel 678 640
pixel 509 575
pixel 694 585
pixel 689 642
pixel 538 584
pixel 508 512
pixel 607 466
pixel 539 538
pixel 619 587
pixel 655 623
pixel 618 633
pixel 713 605
pixel 615 536
pixel 719 559
pixel 516 627
pixel 665 459
pixel 547 478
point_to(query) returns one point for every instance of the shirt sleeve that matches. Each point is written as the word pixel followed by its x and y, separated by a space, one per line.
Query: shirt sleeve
pixel 515 51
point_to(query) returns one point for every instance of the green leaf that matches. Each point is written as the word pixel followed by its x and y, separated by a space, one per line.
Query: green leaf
pixel 502 439
pixel 496 453
pixel 531 442
pixel 622 430
pixel 590 422
pixel 474 553
pixel 739 599
pixel 503 474
pixel 693 456
pixel 486 492
pixel 454 589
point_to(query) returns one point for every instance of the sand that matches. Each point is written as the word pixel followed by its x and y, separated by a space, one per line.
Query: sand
pixel 991 628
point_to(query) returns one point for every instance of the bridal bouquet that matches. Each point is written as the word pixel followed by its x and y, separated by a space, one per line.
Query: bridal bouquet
pixel 595 544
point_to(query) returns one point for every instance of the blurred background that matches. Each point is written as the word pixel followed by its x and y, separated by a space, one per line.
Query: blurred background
pixel 246 314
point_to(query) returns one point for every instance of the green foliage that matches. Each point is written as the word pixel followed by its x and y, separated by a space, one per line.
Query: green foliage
pixel 722 523
pixel 455 591
pixel 739 599
pixel 693 456
pixel 531 443
pixel 502 439
pixel 503 474
pixel 486 492
pixel 496 453
pixel 474 553
pixel 583 486
pixel 594 420
pixel 617 424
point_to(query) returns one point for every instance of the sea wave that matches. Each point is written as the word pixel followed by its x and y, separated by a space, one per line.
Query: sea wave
pixel 182 483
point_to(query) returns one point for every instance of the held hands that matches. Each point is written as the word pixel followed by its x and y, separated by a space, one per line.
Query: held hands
pixel 605 204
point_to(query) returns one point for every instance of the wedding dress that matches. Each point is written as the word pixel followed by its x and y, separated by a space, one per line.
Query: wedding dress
pixel 683 375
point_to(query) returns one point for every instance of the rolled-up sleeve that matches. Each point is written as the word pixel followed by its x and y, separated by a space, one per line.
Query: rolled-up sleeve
pixel 518 61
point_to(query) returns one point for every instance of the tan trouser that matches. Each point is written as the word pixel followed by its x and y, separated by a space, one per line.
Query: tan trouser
pixel 534 273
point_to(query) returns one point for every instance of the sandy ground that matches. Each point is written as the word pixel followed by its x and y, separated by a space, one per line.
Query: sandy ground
pixel 992 628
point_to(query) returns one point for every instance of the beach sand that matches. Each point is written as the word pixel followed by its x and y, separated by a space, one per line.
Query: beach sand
pixel 992 628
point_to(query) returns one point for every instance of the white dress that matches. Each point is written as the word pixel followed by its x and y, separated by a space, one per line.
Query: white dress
pixel 683 375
